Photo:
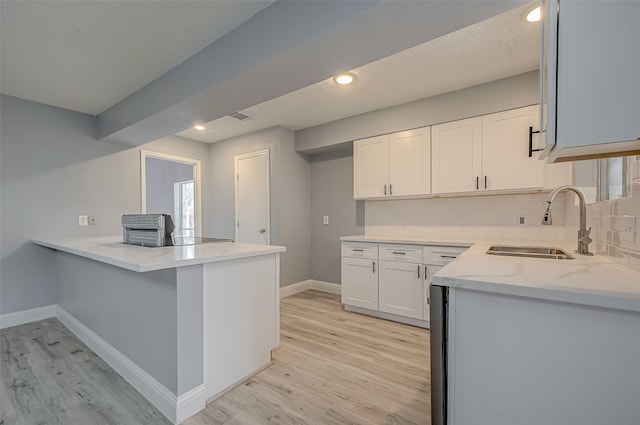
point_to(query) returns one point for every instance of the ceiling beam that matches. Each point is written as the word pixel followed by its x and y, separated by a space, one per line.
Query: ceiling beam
pixel 285 47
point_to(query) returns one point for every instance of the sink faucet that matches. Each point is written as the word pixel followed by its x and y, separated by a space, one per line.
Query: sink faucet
pixel 583 234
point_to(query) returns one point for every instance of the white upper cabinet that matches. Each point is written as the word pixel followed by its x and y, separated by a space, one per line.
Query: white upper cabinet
pixel 409 162
pixel 370 167
pixel 492 153
pixel 392 165
pixel 593 47
pixel 456 161
pixel 505 150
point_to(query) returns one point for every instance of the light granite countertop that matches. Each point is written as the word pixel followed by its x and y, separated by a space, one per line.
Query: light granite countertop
pixel 589 280
pixel 111 250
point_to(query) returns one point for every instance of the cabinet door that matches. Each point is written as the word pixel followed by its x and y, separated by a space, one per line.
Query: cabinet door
pixel 370 167
pixel 505 150
pixel 597 78
pixel 410 162
pixel 429 271
pixel 456 158
pixel 360 283
pixel 400 288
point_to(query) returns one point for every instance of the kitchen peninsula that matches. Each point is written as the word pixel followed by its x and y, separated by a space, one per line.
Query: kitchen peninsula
pixel 538 340
pixel 181 324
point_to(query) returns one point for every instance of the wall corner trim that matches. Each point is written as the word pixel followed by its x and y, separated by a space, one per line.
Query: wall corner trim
pixel 318 285
pixel 161 397
pixel 190 403
pixel 27 316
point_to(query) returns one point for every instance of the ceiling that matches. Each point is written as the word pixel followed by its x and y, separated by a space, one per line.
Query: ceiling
pixel 497 48
pixel 87 56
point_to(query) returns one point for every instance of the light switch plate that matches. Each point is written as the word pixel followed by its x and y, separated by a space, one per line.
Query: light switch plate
pixel 83 220
pixel 325 219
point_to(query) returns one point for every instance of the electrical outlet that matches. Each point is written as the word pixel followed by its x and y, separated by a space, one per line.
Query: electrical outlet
pixel 627 228
pixel 92 220
pixel 325 219
pixel 83 220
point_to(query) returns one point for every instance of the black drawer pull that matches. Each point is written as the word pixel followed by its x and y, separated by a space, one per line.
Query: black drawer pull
pixel 358 250
pixel 398 253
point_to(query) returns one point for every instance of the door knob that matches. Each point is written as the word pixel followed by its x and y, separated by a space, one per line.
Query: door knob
pixel 262 231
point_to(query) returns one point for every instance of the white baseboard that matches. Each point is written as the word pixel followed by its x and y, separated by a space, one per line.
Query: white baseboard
pixel 27 316
pixel 287 291
pixel 332 288
pixel 190 403
pixel 149 387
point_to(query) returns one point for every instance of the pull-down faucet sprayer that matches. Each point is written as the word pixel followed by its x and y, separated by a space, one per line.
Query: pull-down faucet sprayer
pixel 583 234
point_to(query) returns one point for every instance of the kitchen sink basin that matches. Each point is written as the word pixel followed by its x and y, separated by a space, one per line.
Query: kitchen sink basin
pixel 530 251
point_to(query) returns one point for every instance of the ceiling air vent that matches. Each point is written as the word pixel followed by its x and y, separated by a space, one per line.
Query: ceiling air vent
pixel 240 116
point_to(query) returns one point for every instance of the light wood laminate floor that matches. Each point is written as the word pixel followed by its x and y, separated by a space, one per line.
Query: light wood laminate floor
pixel 333 367
pixel 48 376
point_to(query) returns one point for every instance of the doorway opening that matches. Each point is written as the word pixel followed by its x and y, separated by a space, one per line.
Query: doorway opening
pixel 171 185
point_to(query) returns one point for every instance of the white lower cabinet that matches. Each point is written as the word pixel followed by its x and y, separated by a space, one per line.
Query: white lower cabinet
pixel 392 281
pixel 400 289
pixel 359 282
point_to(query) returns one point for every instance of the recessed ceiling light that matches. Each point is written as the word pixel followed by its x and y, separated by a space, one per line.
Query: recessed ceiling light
pixel 344 79
pixel 533 13
pixel 199 127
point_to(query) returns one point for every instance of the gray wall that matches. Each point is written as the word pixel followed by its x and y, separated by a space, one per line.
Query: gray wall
pixel 134 312
pixel 496 96
pixel 52 170
pixel 161 174
pixel 332 195
pixel 290 199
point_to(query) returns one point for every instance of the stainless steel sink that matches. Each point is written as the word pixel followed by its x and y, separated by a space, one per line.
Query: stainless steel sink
pixel 530 251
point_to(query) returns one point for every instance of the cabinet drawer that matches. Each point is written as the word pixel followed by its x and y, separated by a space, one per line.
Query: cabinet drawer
pixel 440 255
pixel 360 250
pixel 403 253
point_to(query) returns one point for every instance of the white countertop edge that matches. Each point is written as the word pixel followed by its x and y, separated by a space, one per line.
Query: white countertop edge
pixel 546 294
pixel 142 267
pixel 411 241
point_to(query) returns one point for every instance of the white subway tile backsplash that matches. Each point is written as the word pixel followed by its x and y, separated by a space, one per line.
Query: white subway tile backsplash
pixel 467 217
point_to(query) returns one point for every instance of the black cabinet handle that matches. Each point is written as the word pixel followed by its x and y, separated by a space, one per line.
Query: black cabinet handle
pixel 485 182
pixel 398 253
pixel 477 182
pixel 374 266
pixel 418 272
pixel 531 149
pixel 358 250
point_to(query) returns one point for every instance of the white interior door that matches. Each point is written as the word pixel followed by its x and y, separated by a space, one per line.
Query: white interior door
pixel 252 198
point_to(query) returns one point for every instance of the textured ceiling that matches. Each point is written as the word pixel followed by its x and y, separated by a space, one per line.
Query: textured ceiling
pixel 88 55
pixel 496 48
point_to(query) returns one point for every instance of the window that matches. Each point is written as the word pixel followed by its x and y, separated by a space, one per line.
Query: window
pixel 184 208
pixel 617 176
